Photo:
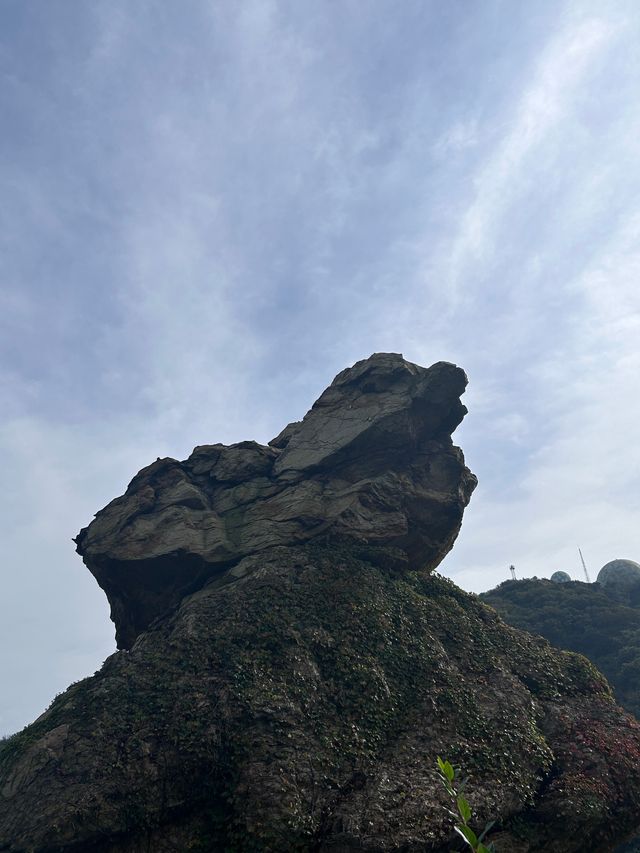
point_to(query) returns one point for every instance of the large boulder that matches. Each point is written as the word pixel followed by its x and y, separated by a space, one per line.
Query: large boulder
pixel 302 706
pixel 291 667
pixel 371 462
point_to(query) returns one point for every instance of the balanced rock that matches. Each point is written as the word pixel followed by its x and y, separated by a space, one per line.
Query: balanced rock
pixel 372 462
pixel 294 668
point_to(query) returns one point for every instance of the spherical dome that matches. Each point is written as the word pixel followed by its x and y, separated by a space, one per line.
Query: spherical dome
pixel 560 577
pixel 619 574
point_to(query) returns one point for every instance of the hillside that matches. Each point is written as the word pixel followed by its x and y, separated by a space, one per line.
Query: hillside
pixel 582 618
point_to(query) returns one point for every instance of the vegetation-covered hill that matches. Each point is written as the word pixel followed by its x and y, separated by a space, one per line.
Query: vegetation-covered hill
pixel 301 707
pixel 582 618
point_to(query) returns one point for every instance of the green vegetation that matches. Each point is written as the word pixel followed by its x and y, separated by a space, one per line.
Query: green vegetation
pixel 582 618
pixel 266 715
pixel 463 812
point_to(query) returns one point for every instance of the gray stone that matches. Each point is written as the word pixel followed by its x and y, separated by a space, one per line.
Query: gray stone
pixel 372 461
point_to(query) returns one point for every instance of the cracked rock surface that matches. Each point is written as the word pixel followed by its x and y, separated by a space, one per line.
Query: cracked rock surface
pixel 371 462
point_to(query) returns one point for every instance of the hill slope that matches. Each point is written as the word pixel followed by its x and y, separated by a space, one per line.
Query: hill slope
pixel 302 707
pixel 583 618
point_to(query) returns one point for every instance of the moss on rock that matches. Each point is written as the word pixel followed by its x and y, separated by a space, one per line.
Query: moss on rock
pixel 301 707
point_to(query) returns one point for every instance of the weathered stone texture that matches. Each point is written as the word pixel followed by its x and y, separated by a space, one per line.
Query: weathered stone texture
pixel 372 461
pixel 300 706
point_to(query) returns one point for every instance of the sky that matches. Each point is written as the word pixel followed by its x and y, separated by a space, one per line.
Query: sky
pixel 211 208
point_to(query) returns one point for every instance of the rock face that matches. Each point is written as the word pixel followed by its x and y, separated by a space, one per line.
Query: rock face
pixel 302 707
pixel 297 667
pixel 372 462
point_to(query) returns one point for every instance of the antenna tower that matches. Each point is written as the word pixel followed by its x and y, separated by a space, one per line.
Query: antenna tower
pixel 584 566
pixel 512 569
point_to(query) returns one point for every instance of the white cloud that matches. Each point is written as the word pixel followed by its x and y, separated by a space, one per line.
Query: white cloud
pixel 457 138
pixel 544 105
pixel 223 205
pixel 582 487
pixel 54 617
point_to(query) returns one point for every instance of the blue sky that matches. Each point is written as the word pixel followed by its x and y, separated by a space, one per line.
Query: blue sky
pixel 209 209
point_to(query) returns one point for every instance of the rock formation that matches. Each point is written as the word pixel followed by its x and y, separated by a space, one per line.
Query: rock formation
pixel 372 462
pixel 291 667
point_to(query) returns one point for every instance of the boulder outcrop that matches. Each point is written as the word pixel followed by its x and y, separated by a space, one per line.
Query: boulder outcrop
pixel 371 462
pixel 301 708
pixel 295 666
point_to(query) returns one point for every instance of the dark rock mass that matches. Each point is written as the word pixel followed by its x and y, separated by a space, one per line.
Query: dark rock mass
pixel 291 667
pixel 371 462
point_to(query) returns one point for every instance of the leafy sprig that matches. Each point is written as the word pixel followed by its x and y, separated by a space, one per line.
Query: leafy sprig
pixel 462 814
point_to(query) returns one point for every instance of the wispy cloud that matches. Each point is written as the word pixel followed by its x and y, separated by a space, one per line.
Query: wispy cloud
pixel 462 135
pixel 545 104
pixel 581 487
pixel 211 210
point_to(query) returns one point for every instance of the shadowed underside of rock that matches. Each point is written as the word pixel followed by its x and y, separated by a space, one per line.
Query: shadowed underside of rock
pixel 371 462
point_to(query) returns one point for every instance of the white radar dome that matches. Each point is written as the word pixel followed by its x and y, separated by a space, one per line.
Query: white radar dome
pixel 619 575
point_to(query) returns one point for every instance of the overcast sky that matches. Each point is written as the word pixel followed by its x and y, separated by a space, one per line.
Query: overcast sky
pixel 210 208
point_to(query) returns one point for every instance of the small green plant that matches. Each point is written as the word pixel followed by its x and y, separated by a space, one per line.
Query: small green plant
pixel 462 813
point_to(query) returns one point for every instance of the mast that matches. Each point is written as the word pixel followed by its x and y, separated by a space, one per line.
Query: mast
pixel 584 566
